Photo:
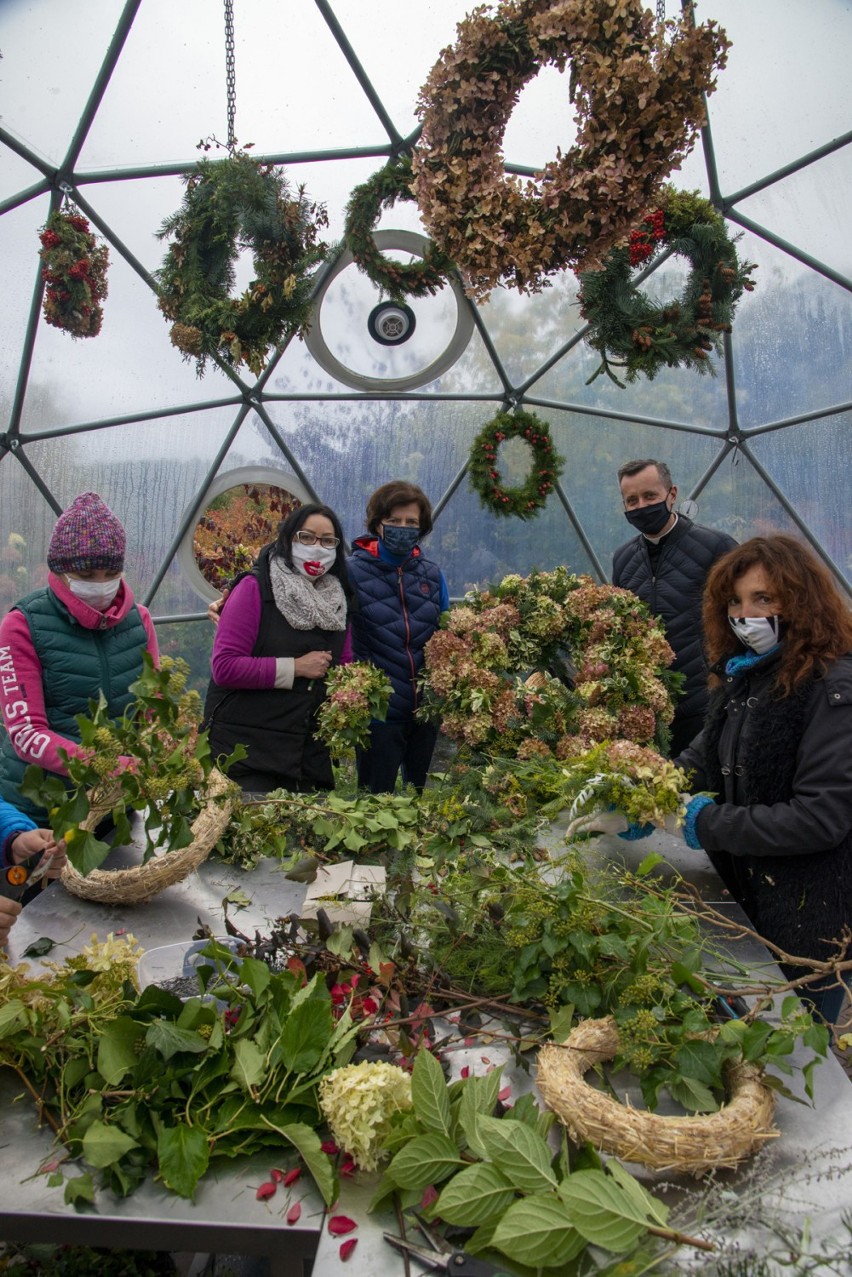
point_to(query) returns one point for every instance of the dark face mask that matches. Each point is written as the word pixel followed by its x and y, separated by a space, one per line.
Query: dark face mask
pixel 400 541
pixel 650 519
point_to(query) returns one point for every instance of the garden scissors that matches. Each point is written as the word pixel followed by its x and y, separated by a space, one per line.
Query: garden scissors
pixel 17 879
pixel 445 1257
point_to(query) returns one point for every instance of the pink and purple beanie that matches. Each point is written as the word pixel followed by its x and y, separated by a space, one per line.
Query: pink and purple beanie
pixel 87 536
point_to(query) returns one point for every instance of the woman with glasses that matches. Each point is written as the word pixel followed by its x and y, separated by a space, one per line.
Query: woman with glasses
pixel 401 595
pixel 282 625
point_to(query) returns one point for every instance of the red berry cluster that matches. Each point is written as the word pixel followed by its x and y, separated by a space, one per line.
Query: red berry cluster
pixel 644 242
pixel 74 270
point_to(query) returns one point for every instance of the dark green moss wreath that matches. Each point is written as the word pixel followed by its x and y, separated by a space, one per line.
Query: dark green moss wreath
pixel 526 501
pixel 416 279
pixel 632 332
pixel 229 205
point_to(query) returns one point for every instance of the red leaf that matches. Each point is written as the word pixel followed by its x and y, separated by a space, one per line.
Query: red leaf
pixel 347 1168
pixel 329 1146
pixel 346 1248
pixel 266 1190
pixel 276 1175
pixel 340 1225
pixel 430 1195
pixel 292 1176
pixel 503 1095
pixel 294 1213
pixel 465 1070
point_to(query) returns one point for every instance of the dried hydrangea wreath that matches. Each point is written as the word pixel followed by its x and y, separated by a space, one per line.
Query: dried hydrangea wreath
pixel 638 95
pixel 630 330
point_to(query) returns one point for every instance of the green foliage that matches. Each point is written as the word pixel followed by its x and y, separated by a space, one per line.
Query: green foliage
pixel 356 694
pixel 525 500
pixel 134 1082
pixel 498 1175
pixel 229 205
pixel 154 759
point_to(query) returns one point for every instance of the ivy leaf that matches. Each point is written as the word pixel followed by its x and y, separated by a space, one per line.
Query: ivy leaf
pixel 169 1040
pixel 429 1094
pixel 607 1213
pixel 84 850
pixel 183 1156
pixel 249 1067
pixel 650 862
pixel 694 1096
pixel 237 897
pixel 104 1144
pixel 474 1196
pixel 516 1150
pixel 308 1144
pixel 80 1189
pixel 13 1016
pixel 118 1049
pixel 537 1232
pixel 429 1159
pixel 39 947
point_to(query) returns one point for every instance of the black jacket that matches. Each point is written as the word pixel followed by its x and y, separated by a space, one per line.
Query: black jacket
pixel 780 831
pixel 276 725
pixel 674 594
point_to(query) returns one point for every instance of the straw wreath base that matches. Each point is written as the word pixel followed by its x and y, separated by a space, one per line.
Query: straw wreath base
pixel 141 882
pixel 692 1144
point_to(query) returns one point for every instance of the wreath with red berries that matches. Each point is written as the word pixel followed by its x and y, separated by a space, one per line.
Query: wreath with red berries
pixel 74 272
pixel 631 331
pixel 421 278
pixel 524 501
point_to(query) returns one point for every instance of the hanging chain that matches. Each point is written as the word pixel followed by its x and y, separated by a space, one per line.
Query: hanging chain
pixel 230 73
pixel 661 12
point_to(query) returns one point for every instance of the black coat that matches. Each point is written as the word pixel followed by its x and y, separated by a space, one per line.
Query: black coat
pixel 674 594
pixel 780 831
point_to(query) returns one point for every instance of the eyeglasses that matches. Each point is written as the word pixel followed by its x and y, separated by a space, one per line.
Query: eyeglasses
pixel 311 538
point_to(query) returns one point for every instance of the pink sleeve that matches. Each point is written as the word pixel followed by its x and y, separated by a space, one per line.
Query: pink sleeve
pixel 22 699
pixel 346 656
pixel 236 634
pixel 152 644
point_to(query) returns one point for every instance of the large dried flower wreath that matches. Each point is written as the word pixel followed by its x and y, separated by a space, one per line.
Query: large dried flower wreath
pixel 639 103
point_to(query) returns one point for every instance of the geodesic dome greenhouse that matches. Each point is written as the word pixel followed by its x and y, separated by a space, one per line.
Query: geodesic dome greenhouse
pixel 108 102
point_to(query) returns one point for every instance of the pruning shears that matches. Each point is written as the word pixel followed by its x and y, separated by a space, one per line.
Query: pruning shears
pixel 444 1257
pixel 16 879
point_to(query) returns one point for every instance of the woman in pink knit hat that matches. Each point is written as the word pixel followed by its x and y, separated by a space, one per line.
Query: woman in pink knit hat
pixel 64 645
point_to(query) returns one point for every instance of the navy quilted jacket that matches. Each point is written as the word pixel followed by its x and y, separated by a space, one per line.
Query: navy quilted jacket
pixel 674 594
pixel 398 612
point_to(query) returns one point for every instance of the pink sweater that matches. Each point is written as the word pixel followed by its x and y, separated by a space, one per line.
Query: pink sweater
pixel 232 664
pixel 21 672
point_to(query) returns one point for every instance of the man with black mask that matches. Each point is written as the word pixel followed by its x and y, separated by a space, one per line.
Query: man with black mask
pixel 666 565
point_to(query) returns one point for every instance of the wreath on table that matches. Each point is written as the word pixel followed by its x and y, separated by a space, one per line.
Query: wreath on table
pixel 524 501
pixel 421 278
pixel 233 204
pixel 74 272
pixel 638 96
pixel 631 331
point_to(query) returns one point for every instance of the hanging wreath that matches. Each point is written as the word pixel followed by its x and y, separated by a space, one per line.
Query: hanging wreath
pixel 74 271
pixel 230 205
pixel 525 501
pixel 421 278
pixel 642 336
pixel 638 95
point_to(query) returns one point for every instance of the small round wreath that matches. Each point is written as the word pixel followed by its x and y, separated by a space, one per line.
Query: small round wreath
pixel 642 336
pixel 74 272
pixel 639 101
pixel 694 1144
pixel 229 205
pixel 525 501
pixel 421 278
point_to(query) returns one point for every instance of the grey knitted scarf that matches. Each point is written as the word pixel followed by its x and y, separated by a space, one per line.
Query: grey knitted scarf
pixel 307 604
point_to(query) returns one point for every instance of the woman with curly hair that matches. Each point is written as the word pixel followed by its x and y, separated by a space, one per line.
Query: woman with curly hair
pixel 776 750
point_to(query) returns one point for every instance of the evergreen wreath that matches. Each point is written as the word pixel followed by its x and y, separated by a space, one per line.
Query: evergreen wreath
pixel 633 332
pixel 525 501
pixel 74 271
pixel 229 205
pixel 421 278
pixel 638 93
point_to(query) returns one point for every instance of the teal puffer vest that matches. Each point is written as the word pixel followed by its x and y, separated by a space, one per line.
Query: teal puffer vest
pixel 77 664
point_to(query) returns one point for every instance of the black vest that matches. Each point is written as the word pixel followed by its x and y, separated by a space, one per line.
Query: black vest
pixel 276 725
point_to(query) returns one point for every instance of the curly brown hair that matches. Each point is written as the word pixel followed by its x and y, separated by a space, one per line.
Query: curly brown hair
pixel 817 618
pixel 398 492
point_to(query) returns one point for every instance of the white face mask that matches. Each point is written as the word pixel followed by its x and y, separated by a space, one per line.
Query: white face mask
pixel 760 633
pixel 313 560
pixel 98 594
